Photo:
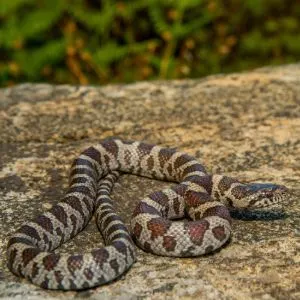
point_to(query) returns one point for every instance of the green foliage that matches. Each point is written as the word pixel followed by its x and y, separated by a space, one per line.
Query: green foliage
pixel 95 42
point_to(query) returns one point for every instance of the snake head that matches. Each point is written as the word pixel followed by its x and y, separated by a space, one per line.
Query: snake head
pixel 263 195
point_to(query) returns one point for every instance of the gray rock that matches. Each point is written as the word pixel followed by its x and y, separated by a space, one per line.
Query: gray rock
pixel 246 125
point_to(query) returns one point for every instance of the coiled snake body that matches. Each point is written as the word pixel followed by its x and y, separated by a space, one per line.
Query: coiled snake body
pixel 201 196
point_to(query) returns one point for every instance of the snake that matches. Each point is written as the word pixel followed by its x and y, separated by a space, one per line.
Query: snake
pixel 189 218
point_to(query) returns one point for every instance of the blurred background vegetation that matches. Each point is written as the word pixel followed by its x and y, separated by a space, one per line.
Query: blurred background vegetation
pixel 97 42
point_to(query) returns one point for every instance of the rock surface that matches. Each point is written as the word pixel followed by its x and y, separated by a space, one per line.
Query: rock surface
pixel 245 125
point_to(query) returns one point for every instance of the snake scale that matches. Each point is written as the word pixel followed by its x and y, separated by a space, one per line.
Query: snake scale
pixel 198 195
